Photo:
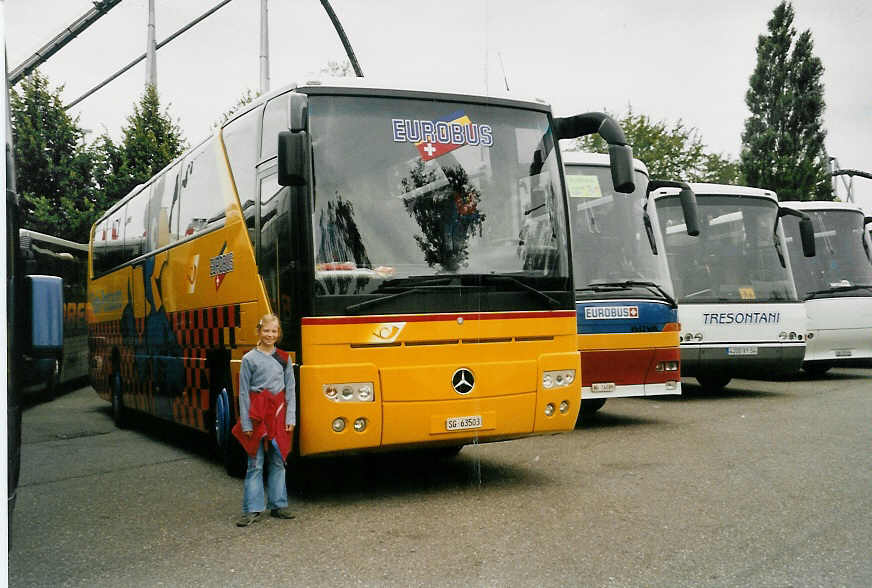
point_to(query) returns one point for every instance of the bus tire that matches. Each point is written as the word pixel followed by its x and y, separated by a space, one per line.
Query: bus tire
pixel 51 383
pixel 713 383
pixel 226 445
pixel 592 405
pixel 816 369
pixel 119 413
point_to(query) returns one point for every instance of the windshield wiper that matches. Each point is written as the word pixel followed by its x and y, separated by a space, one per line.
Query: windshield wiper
pixel 552 302
pixel 627 284
pixel 835 289
pixel 380 299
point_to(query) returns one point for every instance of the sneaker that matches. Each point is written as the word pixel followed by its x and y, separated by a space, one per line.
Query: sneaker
pixel 281 513
pixel 248 518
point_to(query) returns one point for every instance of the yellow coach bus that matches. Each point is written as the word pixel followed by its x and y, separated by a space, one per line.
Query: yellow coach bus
pixel 414 245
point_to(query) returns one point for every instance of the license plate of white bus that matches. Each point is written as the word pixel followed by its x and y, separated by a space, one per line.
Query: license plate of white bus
pixel 463 423
pixel 742 350
pixel 602 387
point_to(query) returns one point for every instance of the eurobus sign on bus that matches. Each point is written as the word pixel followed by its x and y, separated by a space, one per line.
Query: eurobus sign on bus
pixel 627 315
pixel 836 283
pixel 413 243
pixel 738 307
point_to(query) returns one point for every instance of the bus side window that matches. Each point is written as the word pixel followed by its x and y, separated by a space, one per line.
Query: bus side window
pixel 201 204
pixel 275 119
pixel 135 225
pixel 240 141
pixel 109 242
pixel 166 223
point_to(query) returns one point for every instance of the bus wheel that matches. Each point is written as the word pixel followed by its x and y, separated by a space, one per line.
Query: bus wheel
pixel 592 405
pixel 51 383
pixel 119 413
pixel 231 452
pixel 713 383
pixel 816 369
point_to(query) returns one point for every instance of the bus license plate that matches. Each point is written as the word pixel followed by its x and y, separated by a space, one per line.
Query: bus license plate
pixel 602 387
pixel 843 353
pixel 742 350
pixel 462 423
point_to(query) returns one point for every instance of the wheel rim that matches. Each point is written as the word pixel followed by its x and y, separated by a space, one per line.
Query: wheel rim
pixel 221 418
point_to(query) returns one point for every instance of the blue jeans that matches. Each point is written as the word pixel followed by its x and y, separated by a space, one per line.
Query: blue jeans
pixel 253 490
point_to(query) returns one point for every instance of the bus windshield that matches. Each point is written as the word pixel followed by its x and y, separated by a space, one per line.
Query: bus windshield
pixel 843 258
pixel 438 198
pixel 739 255
pixel 609 240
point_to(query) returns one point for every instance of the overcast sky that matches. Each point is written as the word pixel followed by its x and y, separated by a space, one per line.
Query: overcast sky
pixel 676 59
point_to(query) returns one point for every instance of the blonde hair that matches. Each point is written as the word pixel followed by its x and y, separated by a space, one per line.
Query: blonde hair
pixel 269 318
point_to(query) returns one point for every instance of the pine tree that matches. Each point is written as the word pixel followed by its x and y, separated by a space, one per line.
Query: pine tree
pixel 149 142
pixel 53 163
pixel 783 142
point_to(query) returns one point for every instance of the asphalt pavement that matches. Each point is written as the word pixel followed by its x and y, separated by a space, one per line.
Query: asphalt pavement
pixel 768 483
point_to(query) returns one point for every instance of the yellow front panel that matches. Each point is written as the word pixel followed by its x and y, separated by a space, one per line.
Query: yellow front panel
pixel 433 382
pixel 412 359
pixel 618 341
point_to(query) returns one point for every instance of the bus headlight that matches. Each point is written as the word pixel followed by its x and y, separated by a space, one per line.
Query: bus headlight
pixel 697 337
pixel 782 335
pixel 349 392
pixel 667 366
pixel 360 424
pixel 564 407
pixel 557 378
pixel 339 424
pixel 549 409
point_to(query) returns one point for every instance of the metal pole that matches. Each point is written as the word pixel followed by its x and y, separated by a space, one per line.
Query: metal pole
pixel 342 37
pixel 61 39
pixel 141 57
pixel 150 50
pixel 264 46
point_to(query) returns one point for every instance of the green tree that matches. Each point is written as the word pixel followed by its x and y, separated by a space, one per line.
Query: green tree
pixel 246 98
pixel 338 69
pixel 149 142
pixel 783 141
pixel 670 151
pixel 54 165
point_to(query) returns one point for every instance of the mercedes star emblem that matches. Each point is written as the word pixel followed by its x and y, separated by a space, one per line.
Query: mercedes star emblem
pixel 463 381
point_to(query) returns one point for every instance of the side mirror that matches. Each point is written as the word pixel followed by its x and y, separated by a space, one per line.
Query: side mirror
pixel 621 164
pixel 688 207
pixel 292 156
pixel 867 220
pixel 688 202
pixel 45 316
pixel 620 154
pixel 806 233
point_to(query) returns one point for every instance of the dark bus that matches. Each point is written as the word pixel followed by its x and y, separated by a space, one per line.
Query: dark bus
pixel 47 255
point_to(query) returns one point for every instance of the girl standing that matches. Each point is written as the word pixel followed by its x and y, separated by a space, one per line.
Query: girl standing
pixel 267 416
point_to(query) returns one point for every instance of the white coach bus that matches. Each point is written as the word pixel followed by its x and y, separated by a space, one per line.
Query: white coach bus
pixel 836 284
pixel 738 306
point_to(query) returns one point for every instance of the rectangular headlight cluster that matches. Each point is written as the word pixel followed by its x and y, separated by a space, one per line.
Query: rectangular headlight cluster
pixel 557 378
pixel 667 366
pixel 350 392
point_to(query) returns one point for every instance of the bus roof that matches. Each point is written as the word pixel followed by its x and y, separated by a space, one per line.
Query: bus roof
pixel 720 190
pixel 821 205
pixel 35 236
pixel 353 86
pixel 596 159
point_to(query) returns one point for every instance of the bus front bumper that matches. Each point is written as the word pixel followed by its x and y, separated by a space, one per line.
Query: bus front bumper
pixel 742 359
